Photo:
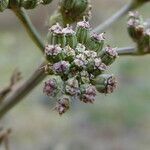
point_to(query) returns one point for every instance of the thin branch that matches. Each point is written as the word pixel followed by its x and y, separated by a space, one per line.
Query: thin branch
pixel 126 51
pixel 15 96
pixel 25 20
pixel 21 91
pixel 124 10
pixel 15 78
pixel 131 51
pixel 4 137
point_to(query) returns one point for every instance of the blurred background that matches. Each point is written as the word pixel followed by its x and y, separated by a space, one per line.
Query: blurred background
pixel 120 121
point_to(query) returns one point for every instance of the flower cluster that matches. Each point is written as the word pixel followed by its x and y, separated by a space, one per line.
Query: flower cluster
pixel 138 32
pixel 78 60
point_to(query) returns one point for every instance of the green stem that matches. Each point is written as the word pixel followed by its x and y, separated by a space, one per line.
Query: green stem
pixel 26 22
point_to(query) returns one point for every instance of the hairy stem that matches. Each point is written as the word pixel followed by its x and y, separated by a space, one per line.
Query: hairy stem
pixel 26 22
pixel 124 10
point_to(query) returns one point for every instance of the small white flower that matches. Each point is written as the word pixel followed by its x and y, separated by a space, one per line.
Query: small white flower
pixel 80 60
pixel 97 62
pixel 80 48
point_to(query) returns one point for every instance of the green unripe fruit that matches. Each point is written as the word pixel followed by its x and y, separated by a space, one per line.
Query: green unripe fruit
pixel 109 55
pixel 52 30
pixel 135 26
pixel 29 4
pixel 96 42
pixel 3 5
pixel 56 36
pixel 72 10
pixel 105 83
pixel 59 38
pixel 53 53
pixel 71 38
pixel 83 31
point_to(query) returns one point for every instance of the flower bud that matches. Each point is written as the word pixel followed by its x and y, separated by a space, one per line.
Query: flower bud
pixel 71 38
pixel 99 68
pixel 72 10
pixel 51 32
pixel 96 42
pixel 83 31
pixel 63 104
pixel 59 38
pixel 135 26
pixel 105 83
pixel 84 77
pixel 80 61
pixel 56 36
pixel 69 53
pixel 45 2
pixel 90 54
pixel 146 38
pixel 144 44
pixel 134 15
pixel 29 4
pixel 53 53
pixel 72 86
pixel 108 55
pixel 138 3
pixel 95 66
pixel 55 27
pixel 53 86
pixel 3 5
pixel 62 67
pixel 88 93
